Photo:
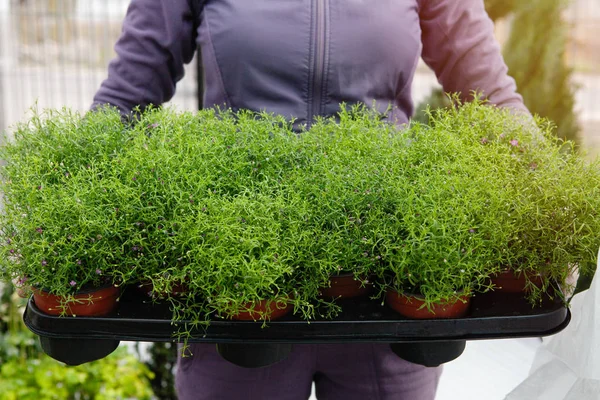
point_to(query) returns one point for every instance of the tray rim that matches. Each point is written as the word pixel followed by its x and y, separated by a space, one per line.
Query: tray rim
pixel 299 331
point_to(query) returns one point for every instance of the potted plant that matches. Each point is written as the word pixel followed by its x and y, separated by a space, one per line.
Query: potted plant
pixel 535 198
pixel 59 230
pixel 556 218
pixel 59 233
pixel 344 186
pixel 470 206
pixel 549 206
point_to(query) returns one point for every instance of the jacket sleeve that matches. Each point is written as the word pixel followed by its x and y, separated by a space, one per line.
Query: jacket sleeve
pixel 157 39
pixel 459 45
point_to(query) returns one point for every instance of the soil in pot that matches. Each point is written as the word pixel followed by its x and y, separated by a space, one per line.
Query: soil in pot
pixel 413 306
pixel 93 302
pixel 344 285
pixel 511 281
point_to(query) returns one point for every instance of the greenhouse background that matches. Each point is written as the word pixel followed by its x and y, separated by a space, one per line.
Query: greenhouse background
pixel 54 53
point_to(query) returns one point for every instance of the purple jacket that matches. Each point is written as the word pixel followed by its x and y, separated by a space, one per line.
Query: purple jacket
pixel 302 58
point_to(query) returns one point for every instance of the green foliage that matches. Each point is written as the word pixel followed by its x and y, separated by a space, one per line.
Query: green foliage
pixel 120 375
pixel 239 208
pixel 531 201
pixel 57 227
pixel 437 99
pixel 161 362
pixel 16 342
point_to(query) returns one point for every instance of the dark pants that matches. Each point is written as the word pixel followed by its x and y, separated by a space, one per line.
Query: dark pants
pixel 340 372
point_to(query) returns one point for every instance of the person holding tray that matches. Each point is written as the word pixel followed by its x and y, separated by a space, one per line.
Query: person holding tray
pixel 301 59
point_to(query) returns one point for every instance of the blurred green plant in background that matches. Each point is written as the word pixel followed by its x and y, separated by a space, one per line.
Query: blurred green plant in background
pixel 162 357
pixel 535 55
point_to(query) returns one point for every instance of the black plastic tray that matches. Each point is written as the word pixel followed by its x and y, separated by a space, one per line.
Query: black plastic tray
pixel 492 315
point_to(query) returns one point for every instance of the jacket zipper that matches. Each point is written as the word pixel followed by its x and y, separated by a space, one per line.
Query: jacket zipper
pixel 319 59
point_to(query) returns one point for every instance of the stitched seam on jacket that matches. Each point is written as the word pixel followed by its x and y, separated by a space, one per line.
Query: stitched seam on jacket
pixel 216 61
pixel 311 56
pixel 326 55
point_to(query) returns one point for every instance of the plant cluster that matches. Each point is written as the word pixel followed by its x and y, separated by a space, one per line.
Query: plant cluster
pixel 238 207
pixel 507 193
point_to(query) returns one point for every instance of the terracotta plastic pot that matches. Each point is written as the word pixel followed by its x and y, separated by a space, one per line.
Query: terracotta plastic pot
pixel 94 302
pixel 274 309
pixel 513 282
pixel 413 306
pixel 345 286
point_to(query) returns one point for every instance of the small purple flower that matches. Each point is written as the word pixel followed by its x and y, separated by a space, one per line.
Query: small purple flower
pixel 39 230
pixel 484 141
pixel 98 271
pixel 12 251
pixel 78 262
pixel 72 283
pixel 44 263
pixel 471 230
pixel 39 187
pixel 514 142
